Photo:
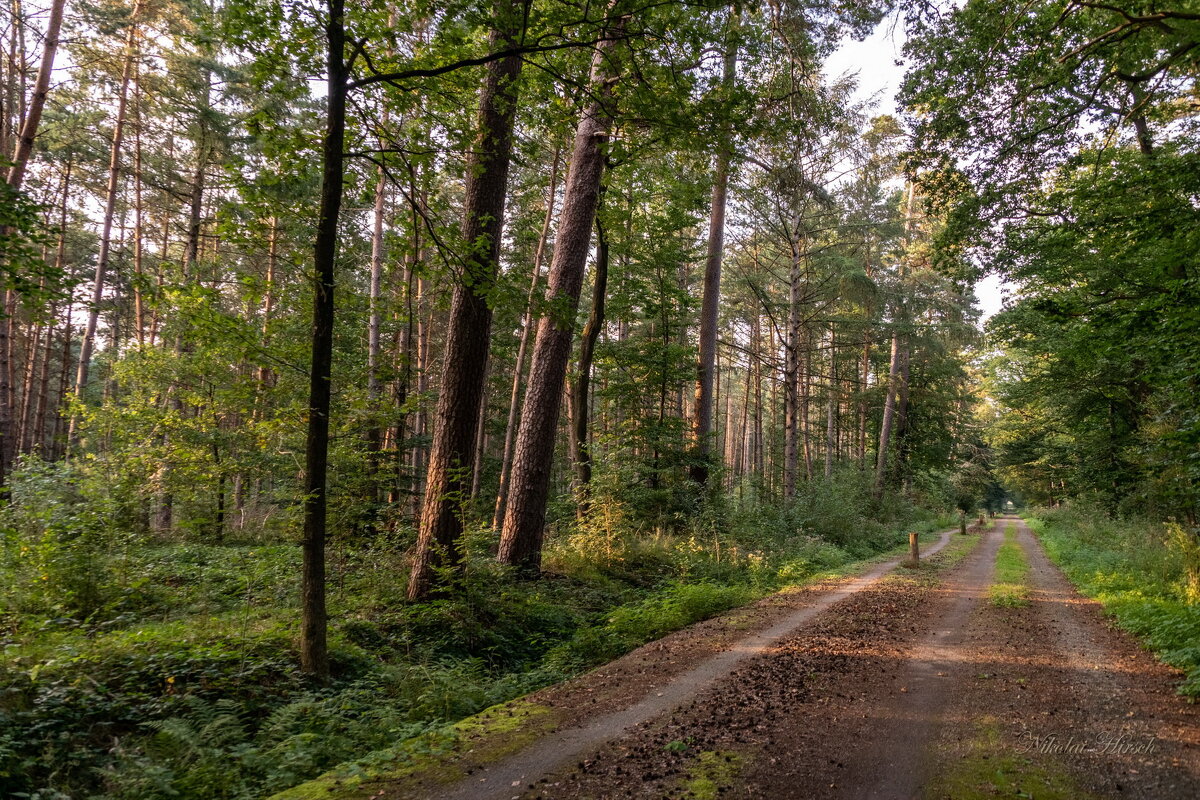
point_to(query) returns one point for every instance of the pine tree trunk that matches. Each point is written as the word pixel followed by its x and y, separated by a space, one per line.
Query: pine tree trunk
pixel 702 413
pixel 889 413
pixel 514 402
pixel 521 534
pixel 110 207
pixel 896 363
pixel 374 385
pixel 468 336
pixel 314 656
pixel 791 380
pixel 831 407
pixel 581 455
pixel 33 115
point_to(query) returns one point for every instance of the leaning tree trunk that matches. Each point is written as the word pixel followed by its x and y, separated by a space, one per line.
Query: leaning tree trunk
pixel 521 534
pixel 41 88
pixel 706 358
pixel 581 454
pixel 110 207
pixel 464 368
pixel 314 655
pixel 514 401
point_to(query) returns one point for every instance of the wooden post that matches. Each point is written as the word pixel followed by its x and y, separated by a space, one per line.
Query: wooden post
pixel 962 523
pixel 914 551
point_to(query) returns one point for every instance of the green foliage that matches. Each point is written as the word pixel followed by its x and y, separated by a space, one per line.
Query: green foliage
pixel 1141 572
pixel 183 684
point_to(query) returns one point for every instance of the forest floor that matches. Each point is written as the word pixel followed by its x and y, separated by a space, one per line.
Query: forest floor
pixel 979 674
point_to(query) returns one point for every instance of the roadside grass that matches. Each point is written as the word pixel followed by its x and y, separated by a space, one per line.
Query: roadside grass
pixel 1010 588
pixel 1142 573
pixel 992 767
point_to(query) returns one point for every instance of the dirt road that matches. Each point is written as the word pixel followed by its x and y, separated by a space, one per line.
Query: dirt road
pixel 900 683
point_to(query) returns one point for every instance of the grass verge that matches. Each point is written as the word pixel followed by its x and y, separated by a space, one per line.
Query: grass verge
pixel 1141 572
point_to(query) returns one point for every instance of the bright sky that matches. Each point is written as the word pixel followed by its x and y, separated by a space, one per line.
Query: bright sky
pixel 874 61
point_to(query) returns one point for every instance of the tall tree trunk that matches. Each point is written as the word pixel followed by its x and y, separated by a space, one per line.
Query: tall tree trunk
pixel 110 207
pixel 521 534
pixel 468 336
pixel 895 364
pixel 831 407
pixel 581 454
pixel 889 412
pixel 862 400
pixel 41 88
pixel 702 413
pixel 139 308
pixel 791 381
pixel 374 385
pixel 314 656
pixel 514 401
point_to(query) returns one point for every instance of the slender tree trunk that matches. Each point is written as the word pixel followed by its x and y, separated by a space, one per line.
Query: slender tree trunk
pixel 862 400
pixel 894 367
pixel 374 385
pixel 469 330
pixel 514 402
pixel 481 440
pixel 139 308
pixel 110 207
pixel 521 534
pixel 581 397
pixel 314 656
pixel 889 412
pixel 831 407
pixel 702 413
pixel 791 381
pixel 33 115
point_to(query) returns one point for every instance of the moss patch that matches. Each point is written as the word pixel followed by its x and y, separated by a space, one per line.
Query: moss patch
pixel 712 773
pixel 994 768
pixel 438 757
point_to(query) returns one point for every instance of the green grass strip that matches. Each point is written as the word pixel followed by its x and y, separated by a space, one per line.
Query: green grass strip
pixel 1010 589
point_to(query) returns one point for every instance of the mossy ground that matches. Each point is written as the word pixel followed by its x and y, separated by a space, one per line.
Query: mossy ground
pixel 711 774
pixel 995 767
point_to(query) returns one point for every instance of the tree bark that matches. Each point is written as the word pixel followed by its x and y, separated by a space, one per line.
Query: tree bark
pixel 791 380
pixel 581 455
pixel 447 482
pixel 831 407
pixel 374 385
pixel 314 656
pixel 521 534
pixel 514 401
pixel 702 413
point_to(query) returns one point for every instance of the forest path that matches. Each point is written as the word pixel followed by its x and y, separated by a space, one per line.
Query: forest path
pixel 899 683
pixel 536 763
pixel 918 686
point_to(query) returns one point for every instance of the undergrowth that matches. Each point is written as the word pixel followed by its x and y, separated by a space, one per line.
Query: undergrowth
pixel 141 668
pixel 1143 573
